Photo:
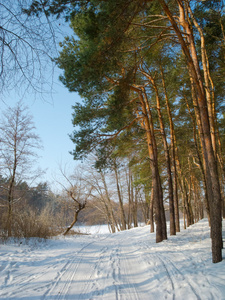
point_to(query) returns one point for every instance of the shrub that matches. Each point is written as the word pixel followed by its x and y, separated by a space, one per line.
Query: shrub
pixel 31 224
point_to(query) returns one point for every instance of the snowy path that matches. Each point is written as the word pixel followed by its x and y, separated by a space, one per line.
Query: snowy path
pixel 124 266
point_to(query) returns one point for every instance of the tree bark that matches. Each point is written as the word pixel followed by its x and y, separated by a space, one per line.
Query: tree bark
pixel 167 155
pixel 109 205
pixel 199 151
pixel 154 168
pixel 172 139
pixel 161 233
pixel 73 223
pixel 207 80
pixel 212 178
pixel 12 183
pixel 135 205
pixel 122 213
pixel 152 212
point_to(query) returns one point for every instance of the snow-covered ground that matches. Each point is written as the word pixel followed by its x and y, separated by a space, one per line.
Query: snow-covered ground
pixel 127 265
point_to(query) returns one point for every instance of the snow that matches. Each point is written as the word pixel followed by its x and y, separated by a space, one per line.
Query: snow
pixel 127 265
pixel 94 229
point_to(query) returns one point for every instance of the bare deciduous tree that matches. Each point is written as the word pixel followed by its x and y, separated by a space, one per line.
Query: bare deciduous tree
pixel 17 144
pixel 27 46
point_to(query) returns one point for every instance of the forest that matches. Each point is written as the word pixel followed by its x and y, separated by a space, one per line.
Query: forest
pixel 150 122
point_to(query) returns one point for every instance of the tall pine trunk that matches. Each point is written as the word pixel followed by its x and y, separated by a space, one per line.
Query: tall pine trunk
pixel 113 221
pixel 156 183
pixel 158 194
pixel 172 139
pixel 122 213
pixel 151 212
pixel 167 155
pixel 198 149
pixel 212 178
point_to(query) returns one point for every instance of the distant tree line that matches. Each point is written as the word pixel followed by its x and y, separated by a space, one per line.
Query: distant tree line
pixel 29 206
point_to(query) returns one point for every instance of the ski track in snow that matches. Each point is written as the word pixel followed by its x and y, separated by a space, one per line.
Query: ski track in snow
pixel 67 274
pixel 127 265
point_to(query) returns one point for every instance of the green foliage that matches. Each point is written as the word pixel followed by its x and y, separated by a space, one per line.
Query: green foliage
pixel 210 15
pixel 114 43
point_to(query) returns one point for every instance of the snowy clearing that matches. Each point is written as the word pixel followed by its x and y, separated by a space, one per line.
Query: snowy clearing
pixel 126 265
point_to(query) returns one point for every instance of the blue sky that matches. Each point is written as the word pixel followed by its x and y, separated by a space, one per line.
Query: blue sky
pixel 53 121
pixel 52 115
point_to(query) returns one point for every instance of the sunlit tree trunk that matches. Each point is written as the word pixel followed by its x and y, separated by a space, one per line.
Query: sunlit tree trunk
pixel 212 178
pixel 201 160
pixel 167 155
pixel 207 82
pixel 135 206
pixel 122 213
pixel 156 181
pixel 129 187
pixel 172 139
pixel 76 213
pixel 114 223
pixel 151 213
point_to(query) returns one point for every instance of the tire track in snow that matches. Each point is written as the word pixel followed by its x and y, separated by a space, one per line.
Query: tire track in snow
pixel 106 272
pixel 68 272
pixel 25 282
pixel 10 266
pixel 116 276
pixel 92 283
pixel 64 271
pixel 115 267
pixel 155 270
pixel 152 272
pixel 21 283
pixel 122 266
pixel 171 280
pixel 133 294
pixel 173 273
pixel 110 275
pixel 103 270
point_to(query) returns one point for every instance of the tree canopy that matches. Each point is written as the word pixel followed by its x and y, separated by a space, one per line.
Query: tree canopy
pixel 150 73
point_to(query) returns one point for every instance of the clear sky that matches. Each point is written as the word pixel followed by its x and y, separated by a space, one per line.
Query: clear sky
pixel 53 121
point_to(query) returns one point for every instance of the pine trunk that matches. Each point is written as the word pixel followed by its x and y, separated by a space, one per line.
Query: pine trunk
pixel 147 124
pixel 152 212
pixel 172 138
pixel 109 205
pixel 167 156
pixel 122 213
pixel 212 178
